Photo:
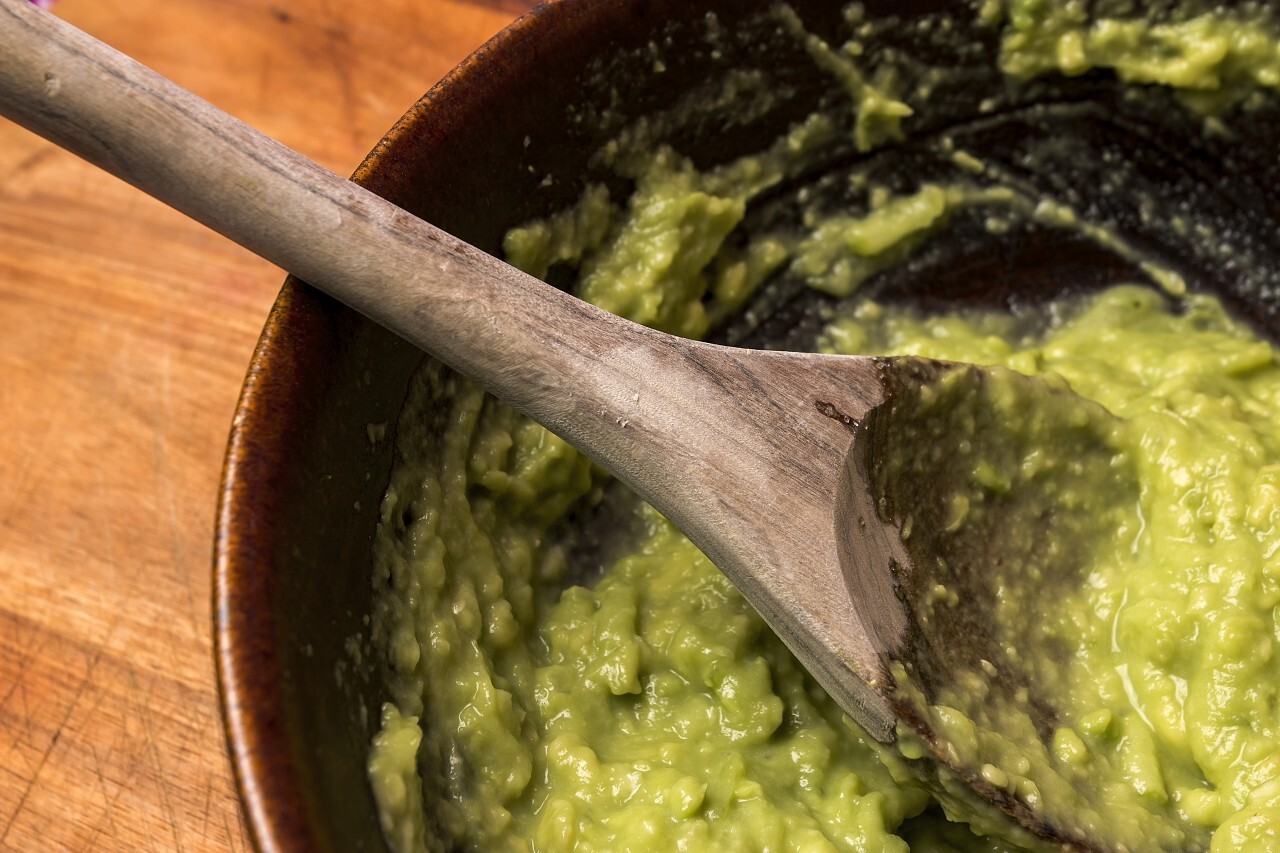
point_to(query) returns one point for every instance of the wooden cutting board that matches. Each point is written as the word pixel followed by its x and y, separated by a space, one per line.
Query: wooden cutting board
pixel 125 331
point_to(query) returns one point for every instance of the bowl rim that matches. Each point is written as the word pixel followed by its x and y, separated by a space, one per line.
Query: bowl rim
pixel 251 495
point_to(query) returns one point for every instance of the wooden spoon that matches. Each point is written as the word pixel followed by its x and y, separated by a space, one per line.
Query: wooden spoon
pixel 761 458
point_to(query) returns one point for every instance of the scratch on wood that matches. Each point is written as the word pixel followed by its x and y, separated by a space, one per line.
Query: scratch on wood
pixel 53 742
pixel 108 800
pixel 143 705
pixel 160 420
pixel 30 162
pixel 208 811
pixel 338 42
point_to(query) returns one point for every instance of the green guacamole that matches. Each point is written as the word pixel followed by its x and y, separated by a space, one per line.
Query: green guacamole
pixel 650 708
pixel 1171 695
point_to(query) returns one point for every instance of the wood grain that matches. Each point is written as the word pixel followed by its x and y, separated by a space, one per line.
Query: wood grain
pixel 124 333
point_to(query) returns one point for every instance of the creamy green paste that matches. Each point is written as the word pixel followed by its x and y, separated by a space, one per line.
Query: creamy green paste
pixel 651 708
pixel 1171 693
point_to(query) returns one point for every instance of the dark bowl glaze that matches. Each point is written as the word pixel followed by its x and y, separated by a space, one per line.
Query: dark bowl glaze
pixel 509 136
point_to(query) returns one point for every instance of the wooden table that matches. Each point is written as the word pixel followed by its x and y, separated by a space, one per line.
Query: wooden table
pixel 125 330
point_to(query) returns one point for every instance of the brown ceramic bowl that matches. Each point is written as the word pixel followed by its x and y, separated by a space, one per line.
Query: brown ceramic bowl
pixel 509 136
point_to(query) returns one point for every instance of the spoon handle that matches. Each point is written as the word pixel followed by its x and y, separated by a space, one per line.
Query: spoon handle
pixel 431 288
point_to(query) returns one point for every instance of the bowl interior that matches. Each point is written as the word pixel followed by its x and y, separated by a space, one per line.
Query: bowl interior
pixel 510 136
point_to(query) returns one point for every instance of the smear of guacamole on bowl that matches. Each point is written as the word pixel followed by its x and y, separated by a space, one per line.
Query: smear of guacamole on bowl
pixel 1213 59
pixel 652 709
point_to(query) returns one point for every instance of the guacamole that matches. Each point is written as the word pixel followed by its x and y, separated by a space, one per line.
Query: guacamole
pixel 650 708
pixel 1166 690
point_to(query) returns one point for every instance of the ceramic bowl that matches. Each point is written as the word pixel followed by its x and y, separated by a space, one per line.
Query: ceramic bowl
pixel 510 135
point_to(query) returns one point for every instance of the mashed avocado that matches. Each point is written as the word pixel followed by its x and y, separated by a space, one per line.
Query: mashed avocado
pixel 651 708
pixel 1172 679
pixel 1211 58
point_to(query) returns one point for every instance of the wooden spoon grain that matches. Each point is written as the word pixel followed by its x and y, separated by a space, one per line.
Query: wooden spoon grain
pixel 757 456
